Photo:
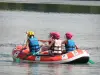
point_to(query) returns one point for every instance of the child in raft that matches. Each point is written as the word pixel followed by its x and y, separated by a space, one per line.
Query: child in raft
pixel 54 43
pixel 69 43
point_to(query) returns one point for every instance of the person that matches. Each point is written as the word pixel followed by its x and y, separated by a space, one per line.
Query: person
pixel 55 46
pixel 32 43
pixel 50 38
pixel 54 43
pixel 69 43
pixel 46 43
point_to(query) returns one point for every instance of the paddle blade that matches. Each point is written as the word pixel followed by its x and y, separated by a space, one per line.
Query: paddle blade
pixel 91 61
pixel 17 60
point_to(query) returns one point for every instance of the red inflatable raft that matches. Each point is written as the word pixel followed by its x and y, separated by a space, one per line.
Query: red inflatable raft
pixel 76 56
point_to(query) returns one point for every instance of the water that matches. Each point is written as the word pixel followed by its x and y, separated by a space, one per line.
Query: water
pixel 14 24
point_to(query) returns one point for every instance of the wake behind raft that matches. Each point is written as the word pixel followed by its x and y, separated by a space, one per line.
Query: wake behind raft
pixel 76 56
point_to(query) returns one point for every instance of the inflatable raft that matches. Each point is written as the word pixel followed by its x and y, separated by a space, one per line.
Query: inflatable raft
pixel 76 56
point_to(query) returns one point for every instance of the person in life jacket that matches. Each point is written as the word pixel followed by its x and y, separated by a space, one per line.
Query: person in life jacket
pixel 56 44
pixel 50 38
pixel 47 42
pixel 32 42
pixel 69 43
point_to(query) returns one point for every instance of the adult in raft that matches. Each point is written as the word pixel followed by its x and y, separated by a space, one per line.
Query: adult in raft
pixel 32 43
pixel 54 43
pixel 69 43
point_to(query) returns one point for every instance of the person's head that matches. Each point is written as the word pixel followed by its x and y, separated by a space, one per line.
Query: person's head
pixel 69 35
pixel 30 33
pixel 54 35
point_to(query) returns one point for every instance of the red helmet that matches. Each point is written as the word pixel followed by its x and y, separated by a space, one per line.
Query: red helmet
pixel 69 35
pixel 55 35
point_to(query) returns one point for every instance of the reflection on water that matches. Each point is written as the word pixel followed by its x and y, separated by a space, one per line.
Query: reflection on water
pixel 53 69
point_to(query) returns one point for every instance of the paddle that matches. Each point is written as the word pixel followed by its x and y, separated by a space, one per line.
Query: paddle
pixel 17 60
pixel 91 61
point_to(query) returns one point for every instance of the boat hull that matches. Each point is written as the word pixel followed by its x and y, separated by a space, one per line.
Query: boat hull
pixel 76 56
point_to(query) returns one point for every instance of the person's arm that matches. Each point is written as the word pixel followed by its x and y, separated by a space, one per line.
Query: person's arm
pixel 43 40
pixel 64 42
pixel 76 47
pixel 27 43
pixel 51 43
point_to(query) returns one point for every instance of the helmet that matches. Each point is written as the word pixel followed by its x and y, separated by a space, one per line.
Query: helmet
pixel 55 35
pixel 69 35
pixel 30 33
pixel 51 34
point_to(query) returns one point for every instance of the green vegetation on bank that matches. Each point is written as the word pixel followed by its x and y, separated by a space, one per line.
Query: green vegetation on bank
pixel 50 8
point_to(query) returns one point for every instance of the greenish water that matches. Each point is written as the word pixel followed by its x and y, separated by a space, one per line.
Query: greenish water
pixel 66 8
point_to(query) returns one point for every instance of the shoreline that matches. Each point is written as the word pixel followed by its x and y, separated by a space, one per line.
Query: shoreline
pixel 44 7
pixel 82 3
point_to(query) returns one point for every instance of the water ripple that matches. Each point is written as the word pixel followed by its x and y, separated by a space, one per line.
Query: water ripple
pixel 4 55
pixel 8 45
pixel 90 48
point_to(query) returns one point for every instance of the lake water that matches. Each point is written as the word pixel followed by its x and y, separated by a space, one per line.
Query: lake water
pixel 14 24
